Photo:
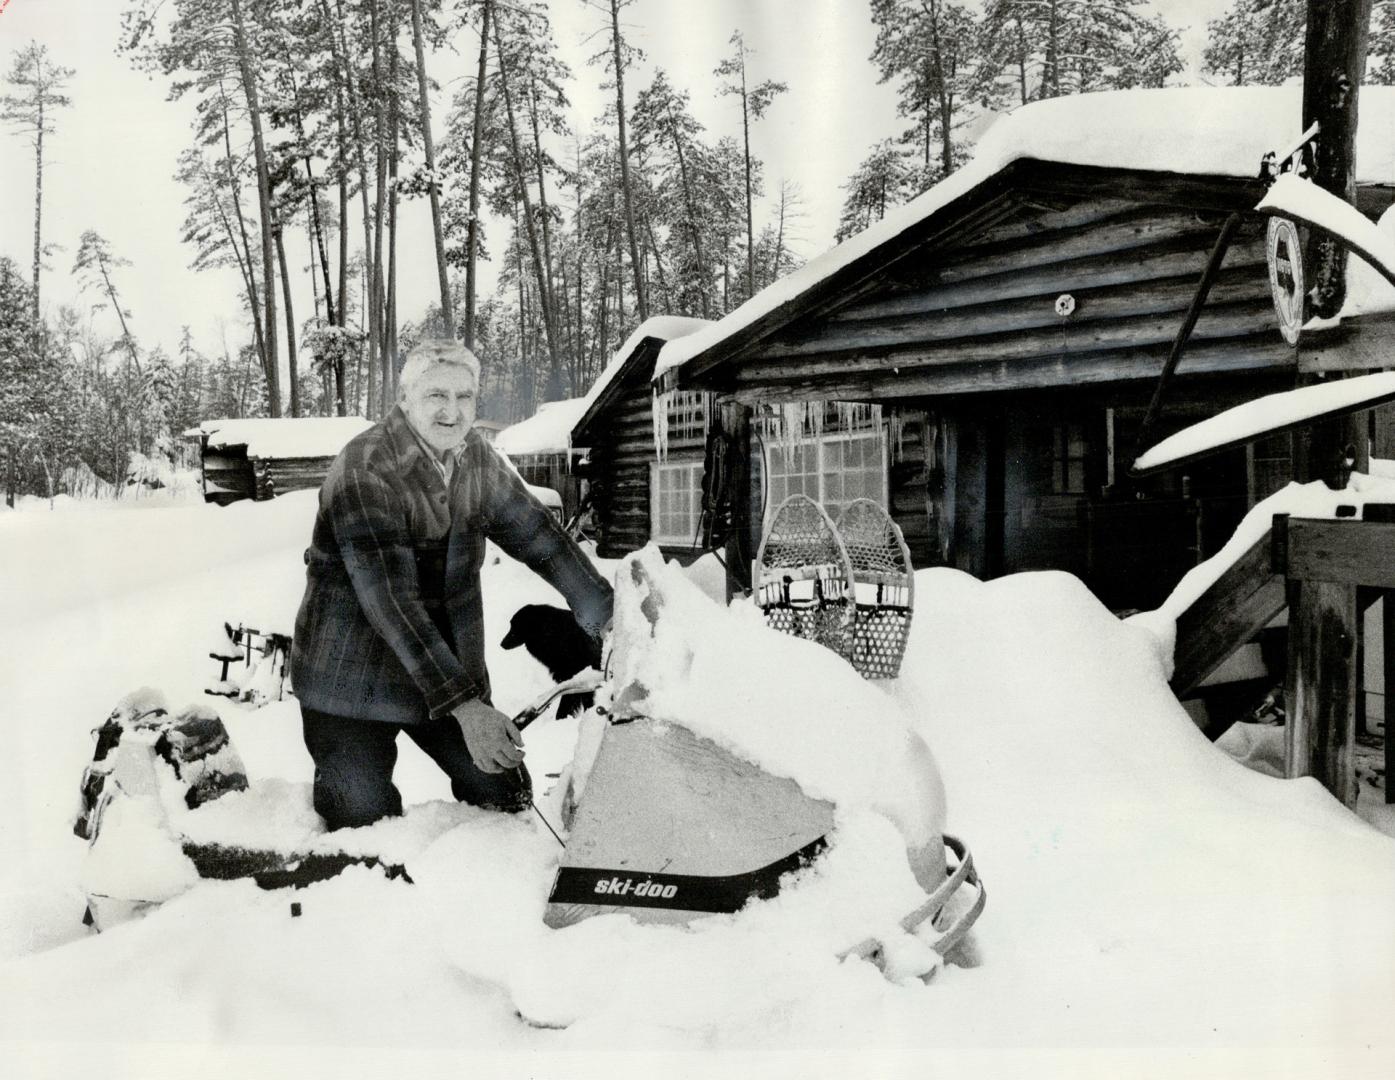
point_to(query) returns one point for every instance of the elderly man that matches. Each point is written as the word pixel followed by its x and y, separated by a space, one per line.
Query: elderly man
pixel 390 632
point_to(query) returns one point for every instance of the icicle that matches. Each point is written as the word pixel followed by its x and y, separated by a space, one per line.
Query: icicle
pixel 659 415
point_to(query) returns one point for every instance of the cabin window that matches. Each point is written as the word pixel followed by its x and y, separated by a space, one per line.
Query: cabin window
pixel 831 469
pixel 675 502
pixel 1068 454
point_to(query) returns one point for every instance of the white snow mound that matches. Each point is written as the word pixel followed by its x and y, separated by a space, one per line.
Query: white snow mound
pixel 790 706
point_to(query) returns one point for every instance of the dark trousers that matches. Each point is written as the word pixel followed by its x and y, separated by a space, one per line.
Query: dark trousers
pixel 354 761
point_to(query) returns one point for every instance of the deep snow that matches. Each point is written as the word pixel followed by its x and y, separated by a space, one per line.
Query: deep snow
pixel 1154 907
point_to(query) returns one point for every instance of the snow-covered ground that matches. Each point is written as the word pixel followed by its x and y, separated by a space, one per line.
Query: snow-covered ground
pixel 1154 907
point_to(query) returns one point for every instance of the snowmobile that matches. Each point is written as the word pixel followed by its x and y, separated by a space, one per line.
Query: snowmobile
pixel 660 823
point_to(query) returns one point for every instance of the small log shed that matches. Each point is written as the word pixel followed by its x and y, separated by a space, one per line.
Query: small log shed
pixel 262 458
pixel 1012 323
pixel 540 450
pixel 634 496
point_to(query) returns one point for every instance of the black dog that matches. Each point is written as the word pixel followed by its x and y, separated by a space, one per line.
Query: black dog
pixel 553 638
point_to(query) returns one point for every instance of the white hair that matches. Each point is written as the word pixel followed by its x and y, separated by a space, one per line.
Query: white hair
pixel 427 354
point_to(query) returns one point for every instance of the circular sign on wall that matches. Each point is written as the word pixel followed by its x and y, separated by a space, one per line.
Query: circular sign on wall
pixel 1284 249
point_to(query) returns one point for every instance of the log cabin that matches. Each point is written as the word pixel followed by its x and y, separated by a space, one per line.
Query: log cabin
pixel 995 343
pixel 263 458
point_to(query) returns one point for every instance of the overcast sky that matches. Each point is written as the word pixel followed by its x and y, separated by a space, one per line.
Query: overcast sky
pixel 110 165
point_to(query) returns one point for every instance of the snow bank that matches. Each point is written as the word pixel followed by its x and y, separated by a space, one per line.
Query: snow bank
pixel 1154 907
pixel 1215 131
pixel 790 706
pixel 548 431
pixel 286 437
pixel 1136 874
pixel 1314 500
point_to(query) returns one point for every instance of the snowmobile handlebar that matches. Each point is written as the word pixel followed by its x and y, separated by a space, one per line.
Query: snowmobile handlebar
pixel 583 682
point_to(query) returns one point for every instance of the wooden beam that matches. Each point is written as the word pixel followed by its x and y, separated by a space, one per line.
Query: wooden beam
pixel 1262 352
pixel 1139 227
pixel 1068 340
pixel 1236 607
pixel 1031 218
pixel 1167 296
pixel 1341 551
pixel 1217 193
pixel 1321 694
pixel 1175 259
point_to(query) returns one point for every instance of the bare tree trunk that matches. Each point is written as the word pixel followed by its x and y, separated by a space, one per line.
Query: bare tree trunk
pixel 379 212
pixel 390 344
pixel 542 195
pixel 549 321
pixel 472 231
pixel 641 301
pixel 746 144
pixel 38 197
pixel 253 298
pixel 691 207
pixel 290 321
pixel 446 314
pixel 254 116
pixel 116 303
pixel 342 73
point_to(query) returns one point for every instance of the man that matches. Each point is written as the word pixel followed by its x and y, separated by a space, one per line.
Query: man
pixel 390 634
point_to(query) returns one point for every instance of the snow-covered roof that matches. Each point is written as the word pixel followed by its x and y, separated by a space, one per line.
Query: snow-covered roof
pixel 1200 131
pixel 1269 414
pixel 668 328
pixel 286 437
pixel 545 432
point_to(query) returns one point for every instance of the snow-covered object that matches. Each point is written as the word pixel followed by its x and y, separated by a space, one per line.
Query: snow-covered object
pixel 1269 414
pixel 286 437
pixel 1294 197
pixel 665 328
pixel 1212 131
pixel 134 857
pixel 548 431
pixel 784 704
pixel 146 705
pixel 1369 292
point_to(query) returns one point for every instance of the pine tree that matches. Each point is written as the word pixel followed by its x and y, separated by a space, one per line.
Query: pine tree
pixel 1047 48
pixel 754 102
pixel 94 268
pixel 879 183
pixel 40 84
pixel 932 49
pixel 664 127
pixel 1257 42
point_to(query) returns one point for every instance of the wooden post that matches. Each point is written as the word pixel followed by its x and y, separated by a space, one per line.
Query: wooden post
pixel 1387 625
pixel 1386 512
pixel 735 419
pixel 1321 695
pixel 1334 63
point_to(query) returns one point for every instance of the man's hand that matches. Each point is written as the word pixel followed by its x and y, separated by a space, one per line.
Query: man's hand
pixel 494 743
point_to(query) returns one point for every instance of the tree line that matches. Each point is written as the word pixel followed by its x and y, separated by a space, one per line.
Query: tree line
pixel 316 119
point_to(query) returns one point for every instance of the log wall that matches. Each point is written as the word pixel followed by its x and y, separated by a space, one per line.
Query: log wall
pixel 983 315
pixel 620 464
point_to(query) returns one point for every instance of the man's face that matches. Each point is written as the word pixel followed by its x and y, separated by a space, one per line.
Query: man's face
pixel 440 405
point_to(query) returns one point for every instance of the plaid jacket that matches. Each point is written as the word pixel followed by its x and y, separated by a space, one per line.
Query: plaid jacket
pixel 391 626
